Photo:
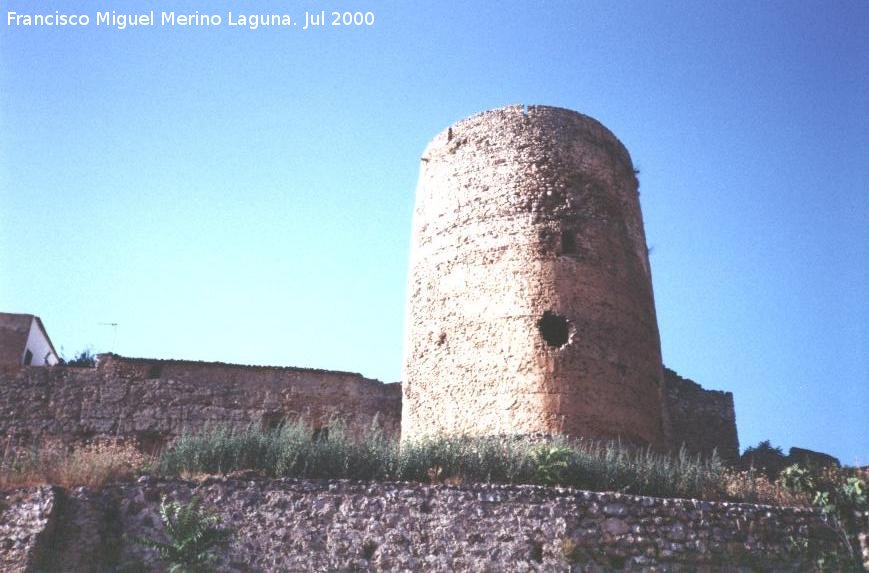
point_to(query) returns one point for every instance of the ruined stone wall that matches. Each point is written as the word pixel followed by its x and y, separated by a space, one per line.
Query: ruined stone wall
pixel 310 525
pixel 153 401
pixel 530 304
pixel 702 420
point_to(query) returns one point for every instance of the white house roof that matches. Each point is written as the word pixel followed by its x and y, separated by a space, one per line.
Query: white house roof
pixel 14 330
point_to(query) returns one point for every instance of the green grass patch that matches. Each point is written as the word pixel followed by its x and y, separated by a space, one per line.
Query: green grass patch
pixel 294 450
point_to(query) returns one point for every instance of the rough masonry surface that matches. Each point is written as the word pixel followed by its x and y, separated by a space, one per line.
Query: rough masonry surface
pixel 152 402
pixel 329 525
pixel 701 420
pixel 530 306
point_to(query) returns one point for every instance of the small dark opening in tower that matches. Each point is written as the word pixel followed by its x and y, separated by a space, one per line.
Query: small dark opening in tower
pixel 568 242
pixel 28 358
pixel 553 328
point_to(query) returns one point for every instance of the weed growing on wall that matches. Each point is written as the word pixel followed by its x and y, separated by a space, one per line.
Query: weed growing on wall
pixel 193 536
pixel 842 497
pixel 551 464
pixel 832 489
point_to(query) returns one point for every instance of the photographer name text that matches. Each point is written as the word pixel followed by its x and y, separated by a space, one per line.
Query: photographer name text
pixel 121 21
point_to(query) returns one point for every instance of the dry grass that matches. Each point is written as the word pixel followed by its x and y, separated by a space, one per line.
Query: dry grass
pixel 755 487
pixel 54 463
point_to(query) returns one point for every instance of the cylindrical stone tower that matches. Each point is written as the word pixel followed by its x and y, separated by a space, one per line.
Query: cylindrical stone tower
pixel 530 305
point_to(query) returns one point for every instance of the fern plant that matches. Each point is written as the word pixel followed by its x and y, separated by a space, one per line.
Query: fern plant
pixel 194 535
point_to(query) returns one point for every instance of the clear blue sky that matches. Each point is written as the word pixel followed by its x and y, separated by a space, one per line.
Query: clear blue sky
pixel 245 195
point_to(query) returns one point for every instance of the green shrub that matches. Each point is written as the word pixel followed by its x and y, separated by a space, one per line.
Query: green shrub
pixel 193 537
pixel 551 464
pixel 832 490
pixel 797 479
pixel 839 496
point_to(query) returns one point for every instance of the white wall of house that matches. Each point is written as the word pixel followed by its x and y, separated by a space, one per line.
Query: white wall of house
pixel 39 346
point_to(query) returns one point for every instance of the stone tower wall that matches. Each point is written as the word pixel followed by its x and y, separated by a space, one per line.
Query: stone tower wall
pixel 530 305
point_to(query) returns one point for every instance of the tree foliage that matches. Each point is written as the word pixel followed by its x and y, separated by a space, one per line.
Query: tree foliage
pixel 764 457
pixel 84 359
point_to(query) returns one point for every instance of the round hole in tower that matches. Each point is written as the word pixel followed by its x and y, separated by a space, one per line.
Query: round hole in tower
pixel 554 329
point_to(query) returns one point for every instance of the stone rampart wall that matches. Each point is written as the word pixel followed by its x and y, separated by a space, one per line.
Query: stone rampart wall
pixel 153 401
pixel 702 420
pixel 308 525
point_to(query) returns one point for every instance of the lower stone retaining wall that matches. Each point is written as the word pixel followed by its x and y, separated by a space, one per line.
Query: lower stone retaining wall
pixel 311 525
pixel 28 522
